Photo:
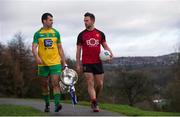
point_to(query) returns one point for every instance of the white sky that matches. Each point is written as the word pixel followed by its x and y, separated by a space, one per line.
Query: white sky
pixel 132 27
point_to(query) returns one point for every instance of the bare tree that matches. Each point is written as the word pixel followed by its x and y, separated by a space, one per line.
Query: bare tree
pixel 173 92
pixel 134 86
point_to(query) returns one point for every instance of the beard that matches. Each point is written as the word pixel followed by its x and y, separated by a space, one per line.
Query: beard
pixel 48 25
pixel 88 26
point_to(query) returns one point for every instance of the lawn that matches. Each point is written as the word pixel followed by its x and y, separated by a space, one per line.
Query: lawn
pixel 128 110
pixel 15 110
pixel 8 110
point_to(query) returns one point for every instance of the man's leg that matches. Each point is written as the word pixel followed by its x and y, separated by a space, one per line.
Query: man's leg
pixel 90 85
pixel 43 72
pixel 45 92
pixel 91 91
pixel 99 78
pixel 56 92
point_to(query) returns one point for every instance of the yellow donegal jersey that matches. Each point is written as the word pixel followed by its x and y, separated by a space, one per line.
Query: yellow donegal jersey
pixel 48 40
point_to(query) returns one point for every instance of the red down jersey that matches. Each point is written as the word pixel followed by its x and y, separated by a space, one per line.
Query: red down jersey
pixel 91 41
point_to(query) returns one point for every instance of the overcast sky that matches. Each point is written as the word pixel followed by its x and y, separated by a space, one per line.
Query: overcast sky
pixel 132 27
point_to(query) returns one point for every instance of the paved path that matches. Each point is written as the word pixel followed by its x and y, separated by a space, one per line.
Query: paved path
pixel 67 110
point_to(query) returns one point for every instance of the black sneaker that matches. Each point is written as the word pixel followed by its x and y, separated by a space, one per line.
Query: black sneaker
pixel 47 109
pixel 94 106
pixel 58 108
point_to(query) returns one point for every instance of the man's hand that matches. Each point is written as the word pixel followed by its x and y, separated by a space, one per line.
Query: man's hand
pixel 106 47
pixel 65 66
pixel 111 56
pixel 109 60
pixel 38 60
pixel 78 68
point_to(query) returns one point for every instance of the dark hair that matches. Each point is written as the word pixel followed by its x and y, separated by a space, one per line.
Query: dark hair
pixel 90 15
pixel 45 16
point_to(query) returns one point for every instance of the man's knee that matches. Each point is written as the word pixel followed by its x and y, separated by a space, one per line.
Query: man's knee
pixel 99 85
pixel 55 84
pixel 90 83
pixel 44 83
pixel 89 79
pixel 99 80
pixel 55 81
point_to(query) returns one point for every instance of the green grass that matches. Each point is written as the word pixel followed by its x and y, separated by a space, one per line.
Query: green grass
pixel 133 111
pixel 128 110
pixel 15 110
pixel 8 110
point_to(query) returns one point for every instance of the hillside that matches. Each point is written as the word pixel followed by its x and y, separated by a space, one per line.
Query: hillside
pixel 140 62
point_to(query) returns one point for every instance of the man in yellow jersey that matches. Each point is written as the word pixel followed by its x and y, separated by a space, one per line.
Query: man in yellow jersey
pixel 49 58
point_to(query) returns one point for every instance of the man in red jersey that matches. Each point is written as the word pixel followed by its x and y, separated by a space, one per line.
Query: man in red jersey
pixel 90 41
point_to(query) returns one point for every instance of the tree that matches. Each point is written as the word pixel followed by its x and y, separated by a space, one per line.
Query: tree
pixel 19 63
pixel 4 87
pixel 173 92
pixel 134 86
pixel 17 69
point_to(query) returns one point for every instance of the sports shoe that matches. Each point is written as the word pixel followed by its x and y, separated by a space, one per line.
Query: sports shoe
pixel 58 108
pixel 47 109
pixel 94 106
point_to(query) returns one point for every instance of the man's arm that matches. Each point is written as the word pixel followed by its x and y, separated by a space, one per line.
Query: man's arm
pixel 106 47
pixel 78 56
pixel 35 53
pixel 61 52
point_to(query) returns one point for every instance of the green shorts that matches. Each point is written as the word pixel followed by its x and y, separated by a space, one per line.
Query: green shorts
pixel 45 71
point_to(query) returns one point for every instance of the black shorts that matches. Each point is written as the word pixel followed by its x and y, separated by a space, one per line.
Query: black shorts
pixel 96 68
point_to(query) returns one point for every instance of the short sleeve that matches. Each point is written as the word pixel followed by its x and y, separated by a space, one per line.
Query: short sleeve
pixel 35 38
pixel 103 37
pixel 58 37
pixel 79 39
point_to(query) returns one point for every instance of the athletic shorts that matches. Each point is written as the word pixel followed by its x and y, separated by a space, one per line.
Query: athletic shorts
pixel 45 71
pixel 96 68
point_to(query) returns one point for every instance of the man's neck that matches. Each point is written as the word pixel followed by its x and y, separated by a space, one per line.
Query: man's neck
pixel 91 28
pixel 46 28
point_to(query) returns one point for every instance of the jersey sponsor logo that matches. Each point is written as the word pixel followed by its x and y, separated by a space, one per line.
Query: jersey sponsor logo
pixel 48 42
pixel 42 35
pixel 92 42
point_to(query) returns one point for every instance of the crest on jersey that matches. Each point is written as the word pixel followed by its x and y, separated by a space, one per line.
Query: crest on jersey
pixel 97 35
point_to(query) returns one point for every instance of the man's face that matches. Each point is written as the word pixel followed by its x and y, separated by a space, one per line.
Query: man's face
pixel 48 22
pixel 88 22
